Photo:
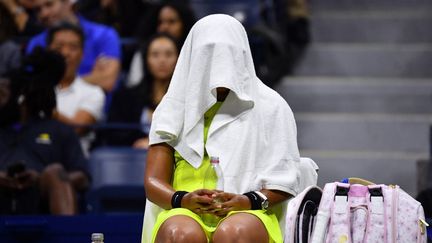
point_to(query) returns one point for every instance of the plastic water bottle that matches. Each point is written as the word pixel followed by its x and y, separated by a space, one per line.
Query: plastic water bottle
pixel 213 176
pixel 97 238
pixel 213 180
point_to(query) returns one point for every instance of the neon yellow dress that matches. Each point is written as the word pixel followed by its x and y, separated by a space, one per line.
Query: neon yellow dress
pixel 187 178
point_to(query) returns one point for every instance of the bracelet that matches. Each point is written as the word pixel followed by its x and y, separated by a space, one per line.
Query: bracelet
pixel 254 199
pixel 177 198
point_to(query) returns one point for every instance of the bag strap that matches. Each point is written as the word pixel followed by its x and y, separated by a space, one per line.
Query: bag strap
pixel 376 229
pixel 341 215
pixel 324 219
pixel 309 209
pixel 340 222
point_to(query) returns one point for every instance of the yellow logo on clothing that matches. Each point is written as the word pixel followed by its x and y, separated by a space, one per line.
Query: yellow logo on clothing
pixel 43 138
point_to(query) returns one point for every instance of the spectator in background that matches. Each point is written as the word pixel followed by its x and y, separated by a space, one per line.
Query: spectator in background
pixel 42 165
pixel 136 104
pixel 100 64
pixel 24 15
pixel 174 18
pixel 10 53
pixel 78 103
pixel 297 29
pixel 122 15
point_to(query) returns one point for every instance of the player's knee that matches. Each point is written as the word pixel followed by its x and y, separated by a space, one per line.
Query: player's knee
pixel 181 234
pixel 231 231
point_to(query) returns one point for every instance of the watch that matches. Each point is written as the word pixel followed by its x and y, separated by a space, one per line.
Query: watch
pixel 264 202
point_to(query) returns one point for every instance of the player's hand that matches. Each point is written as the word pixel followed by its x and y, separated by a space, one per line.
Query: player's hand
pixel 199 201
pixel 230 202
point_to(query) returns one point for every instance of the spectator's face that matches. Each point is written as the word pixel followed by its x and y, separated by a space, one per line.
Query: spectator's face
pixel 69 45
pixel 162 58
pixel 170 22
pixel 52 12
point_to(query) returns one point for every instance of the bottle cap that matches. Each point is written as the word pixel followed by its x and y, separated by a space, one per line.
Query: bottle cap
pixel 97 236
pixel 214 159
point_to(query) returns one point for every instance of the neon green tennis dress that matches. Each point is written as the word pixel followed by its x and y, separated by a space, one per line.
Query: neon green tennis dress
pixel 188 178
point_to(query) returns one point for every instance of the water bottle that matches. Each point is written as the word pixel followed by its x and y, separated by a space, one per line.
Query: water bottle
pixel 97 238
pixel 213 176
pixel 213 180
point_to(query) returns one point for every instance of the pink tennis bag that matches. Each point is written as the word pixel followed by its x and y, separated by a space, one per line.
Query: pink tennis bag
pixel 301 215
pixel 303 208
pixel 373 213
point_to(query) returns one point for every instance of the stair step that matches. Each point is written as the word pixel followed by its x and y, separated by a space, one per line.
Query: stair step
pixel 367 60
pixel 372 26
pixel 371 132
pixel 362 95
pixel 383 168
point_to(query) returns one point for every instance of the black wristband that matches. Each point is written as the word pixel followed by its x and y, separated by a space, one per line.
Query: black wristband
pixel 177 198
pixel 255 200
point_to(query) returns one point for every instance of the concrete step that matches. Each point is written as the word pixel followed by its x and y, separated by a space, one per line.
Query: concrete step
pixel 372 26
pixel 361 95
pixel 367 60
pixel 316 5
pixel 370 132
pixel 382 168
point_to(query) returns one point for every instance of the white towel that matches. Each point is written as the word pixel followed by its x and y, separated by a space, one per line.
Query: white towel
pixel 253 133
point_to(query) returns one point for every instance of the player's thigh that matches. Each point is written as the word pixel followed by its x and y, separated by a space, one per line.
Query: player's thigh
pixel 243 226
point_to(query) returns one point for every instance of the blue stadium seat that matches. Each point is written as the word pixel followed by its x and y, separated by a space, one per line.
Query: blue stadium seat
pixel 117 180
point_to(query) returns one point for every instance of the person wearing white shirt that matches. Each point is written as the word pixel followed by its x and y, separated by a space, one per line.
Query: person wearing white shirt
pixel 79 103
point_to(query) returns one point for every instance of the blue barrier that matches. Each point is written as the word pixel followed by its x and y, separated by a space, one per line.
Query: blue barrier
pixel 70 229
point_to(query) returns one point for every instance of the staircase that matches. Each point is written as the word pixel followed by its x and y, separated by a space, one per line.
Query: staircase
pixel 362 95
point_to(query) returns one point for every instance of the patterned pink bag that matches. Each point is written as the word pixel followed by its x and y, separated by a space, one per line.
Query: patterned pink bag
pixel 301 215
pixel 302 208
pixel 374 213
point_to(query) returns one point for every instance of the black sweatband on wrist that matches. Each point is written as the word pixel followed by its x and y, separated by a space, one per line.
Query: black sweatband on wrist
pixel 177 198
pixel 255 200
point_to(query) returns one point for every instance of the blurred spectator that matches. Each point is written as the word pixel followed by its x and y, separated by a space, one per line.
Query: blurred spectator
pixel 122 15
pixel 101 61
pixel 174 18
pixel 78 103
pixel 280 38
pixel 161 55
pixel 297 29
pixel 9 112
pixel 42 165
pixel 10 53
pixel 24 15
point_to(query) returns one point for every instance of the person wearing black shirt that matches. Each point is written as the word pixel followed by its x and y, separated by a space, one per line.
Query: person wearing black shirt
pixel 42 166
